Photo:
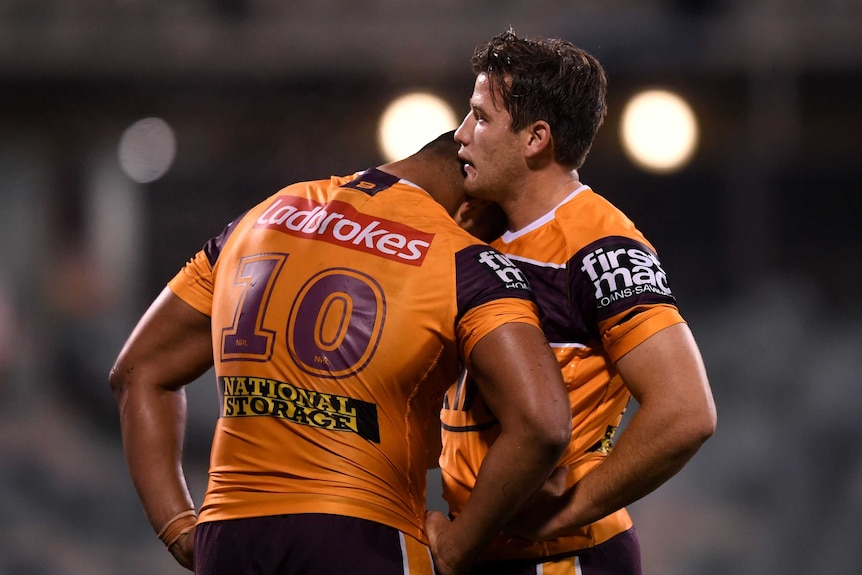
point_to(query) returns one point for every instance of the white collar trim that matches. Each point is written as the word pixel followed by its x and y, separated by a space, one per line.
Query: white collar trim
pixel 508 236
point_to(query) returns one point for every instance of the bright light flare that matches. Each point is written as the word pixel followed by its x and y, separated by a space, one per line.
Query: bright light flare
pixel 411 121
pixel 659 131
pixel 147 149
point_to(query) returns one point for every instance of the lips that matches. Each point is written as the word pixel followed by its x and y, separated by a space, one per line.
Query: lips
pixel 465 164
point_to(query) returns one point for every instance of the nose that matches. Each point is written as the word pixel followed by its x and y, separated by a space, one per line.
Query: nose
pixel 461 132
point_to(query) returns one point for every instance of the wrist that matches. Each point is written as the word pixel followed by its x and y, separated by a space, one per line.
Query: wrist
pixel 449 554
pixel 177 526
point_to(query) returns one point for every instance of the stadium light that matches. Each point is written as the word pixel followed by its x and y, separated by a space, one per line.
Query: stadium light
pixel 659 131
pixel 411 121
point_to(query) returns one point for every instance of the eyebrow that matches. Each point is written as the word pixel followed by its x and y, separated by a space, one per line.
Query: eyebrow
pixel 478 107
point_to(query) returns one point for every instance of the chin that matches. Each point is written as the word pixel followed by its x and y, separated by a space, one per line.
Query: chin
pixel 473 188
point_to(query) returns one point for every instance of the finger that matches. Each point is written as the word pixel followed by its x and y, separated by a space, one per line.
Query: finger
pixel 435 523
pixel 183 550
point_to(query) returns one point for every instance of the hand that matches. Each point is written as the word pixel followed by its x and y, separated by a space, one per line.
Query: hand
pixel 438 528
pixel 539 520
pixel 183 550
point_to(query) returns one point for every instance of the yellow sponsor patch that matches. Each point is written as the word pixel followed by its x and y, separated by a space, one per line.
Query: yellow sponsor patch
pixel 243 396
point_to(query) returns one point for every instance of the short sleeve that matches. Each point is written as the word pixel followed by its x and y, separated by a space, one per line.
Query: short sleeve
pixel 482 320
pixel 622 334
pixel 194 283
pixel 491 291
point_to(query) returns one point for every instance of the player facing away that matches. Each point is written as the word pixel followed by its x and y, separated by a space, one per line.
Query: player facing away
pixel 336 313
pixel 605 306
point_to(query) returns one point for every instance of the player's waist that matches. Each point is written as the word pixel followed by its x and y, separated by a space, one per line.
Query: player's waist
pixel 505 548
pixel 242 504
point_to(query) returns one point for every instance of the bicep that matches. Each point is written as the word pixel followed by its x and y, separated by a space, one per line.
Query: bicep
pixel 170 347
pixel 517 374
pixel 667 367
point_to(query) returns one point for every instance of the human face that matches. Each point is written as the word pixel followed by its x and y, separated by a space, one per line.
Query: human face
pixel 492 152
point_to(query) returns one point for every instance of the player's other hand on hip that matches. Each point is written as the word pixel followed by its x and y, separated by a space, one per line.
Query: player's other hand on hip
pixel 442 546
pixel 183 550
pixel 540 519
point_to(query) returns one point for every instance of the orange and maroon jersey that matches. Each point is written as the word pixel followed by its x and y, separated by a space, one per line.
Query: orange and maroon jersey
pixel 341 310
pixel 601 291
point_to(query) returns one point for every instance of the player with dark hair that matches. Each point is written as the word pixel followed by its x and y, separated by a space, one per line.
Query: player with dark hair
pixel 336 313
pixel 605 306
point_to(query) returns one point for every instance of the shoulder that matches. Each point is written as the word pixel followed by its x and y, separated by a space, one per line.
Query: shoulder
pixel 589 217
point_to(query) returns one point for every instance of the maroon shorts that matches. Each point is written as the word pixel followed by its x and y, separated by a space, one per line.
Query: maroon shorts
pixel 307 543
pixel 619 555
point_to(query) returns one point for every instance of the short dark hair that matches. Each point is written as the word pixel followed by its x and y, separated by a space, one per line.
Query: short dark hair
pixel 444 144
pixel 548 79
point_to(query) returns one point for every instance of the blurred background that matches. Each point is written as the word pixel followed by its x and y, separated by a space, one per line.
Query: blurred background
pixel 132 131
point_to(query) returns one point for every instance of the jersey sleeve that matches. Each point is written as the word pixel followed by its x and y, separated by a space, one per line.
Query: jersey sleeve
pixel 620 287
pixel 491 291
pixel 622 334
pixel 194 283
pixel 481 321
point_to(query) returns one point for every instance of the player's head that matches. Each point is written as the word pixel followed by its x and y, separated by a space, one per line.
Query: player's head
pixel 551 80
pixel 436 169
pixel 440 149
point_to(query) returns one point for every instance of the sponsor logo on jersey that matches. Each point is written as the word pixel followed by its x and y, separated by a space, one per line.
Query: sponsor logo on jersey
pixel 619 273
pixel 341 224
pixel 509 274
pixel 243 396
pixel 606 443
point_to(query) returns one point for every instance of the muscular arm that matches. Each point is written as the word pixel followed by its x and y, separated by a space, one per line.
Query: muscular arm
pixel 666 376
pixel 520 379
pixel 170 347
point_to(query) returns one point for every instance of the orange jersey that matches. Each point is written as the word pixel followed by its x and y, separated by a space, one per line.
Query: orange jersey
pixel 341 310
pixel 601 291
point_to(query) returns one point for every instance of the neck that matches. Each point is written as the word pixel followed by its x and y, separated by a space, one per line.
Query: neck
pixel 440 181
pixel 537 197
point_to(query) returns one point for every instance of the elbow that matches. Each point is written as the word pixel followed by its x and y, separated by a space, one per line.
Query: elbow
pixel 706 418
pixel 544 435
pixel 561 440
pixel 700 426
pixel 117 382
pixel 556 434
pixel 707 424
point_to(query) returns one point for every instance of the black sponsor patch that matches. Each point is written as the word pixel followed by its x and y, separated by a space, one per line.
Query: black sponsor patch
pixel 257 396
pixel 622 273
pixel 501 267
pixel 483 274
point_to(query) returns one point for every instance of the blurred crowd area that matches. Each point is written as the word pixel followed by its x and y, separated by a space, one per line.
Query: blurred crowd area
pixel 759 235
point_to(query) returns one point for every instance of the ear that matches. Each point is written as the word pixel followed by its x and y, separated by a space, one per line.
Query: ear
pixel 472 206
pixel 538 138
pixel 482 218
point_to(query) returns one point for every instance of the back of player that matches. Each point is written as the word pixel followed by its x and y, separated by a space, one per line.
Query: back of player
pixel 338 317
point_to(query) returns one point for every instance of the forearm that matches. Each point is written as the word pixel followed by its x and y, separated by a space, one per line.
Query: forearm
pixel 667 378
pixel 511 472
pixel 152 421
pixel 652 449
pixel 169 348
pixel 519 380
